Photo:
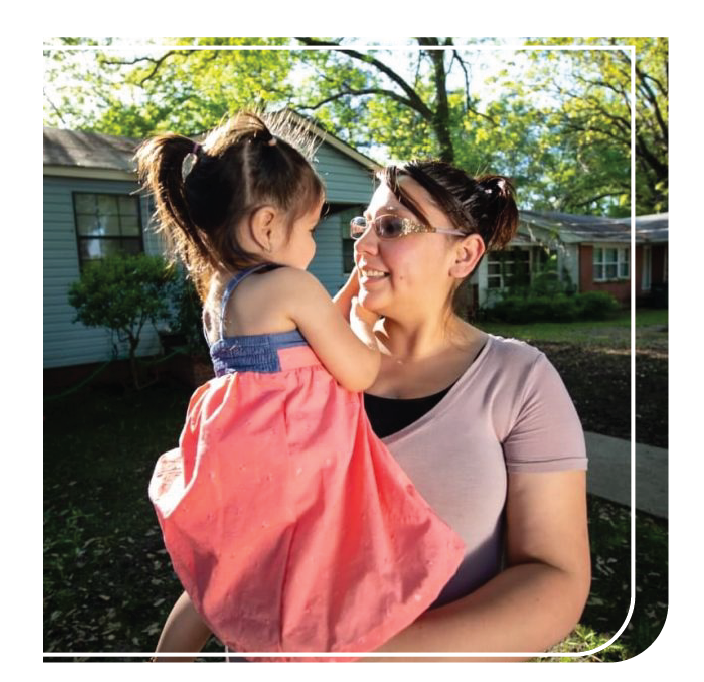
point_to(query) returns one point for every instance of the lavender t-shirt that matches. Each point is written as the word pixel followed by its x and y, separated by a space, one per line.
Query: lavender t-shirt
pixel 508 413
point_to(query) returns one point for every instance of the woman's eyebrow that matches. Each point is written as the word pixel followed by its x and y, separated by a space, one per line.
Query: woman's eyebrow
pixel 384 210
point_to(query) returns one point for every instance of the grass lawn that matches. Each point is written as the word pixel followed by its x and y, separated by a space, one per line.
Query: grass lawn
pixel 614 333
pixel 108 582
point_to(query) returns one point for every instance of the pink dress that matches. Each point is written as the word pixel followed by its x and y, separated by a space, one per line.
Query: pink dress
pixel 289 523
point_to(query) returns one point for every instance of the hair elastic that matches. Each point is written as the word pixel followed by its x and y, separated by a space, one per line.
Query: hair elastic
pixel 189 161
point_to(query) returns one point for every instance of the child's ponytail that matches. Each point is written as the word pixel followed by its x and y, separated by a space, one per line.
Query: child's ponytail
pixel 164 164
pixel 202 192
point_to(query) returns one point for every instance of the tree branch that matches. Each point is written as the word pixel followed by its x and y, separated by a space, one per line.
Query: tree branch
pixel 653 100
pixel 571 125
pixel 599 196
pixel 54 107
pixel 654 163
pixel 157 62
pixel 367 91
pixel 463 66
pixel 413 99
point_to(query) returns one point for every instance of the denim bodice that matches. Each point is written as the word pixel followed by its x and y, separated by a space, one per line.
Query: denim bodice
pixel 253 353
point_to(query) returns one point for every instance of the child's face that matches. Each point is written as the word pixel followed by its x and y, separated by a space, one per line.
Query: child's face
pixel 299 250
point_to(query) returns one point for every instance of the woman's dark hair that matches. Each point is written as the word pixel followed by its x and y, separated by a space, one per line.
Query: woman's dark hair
pixel 483 205
pixel 251 160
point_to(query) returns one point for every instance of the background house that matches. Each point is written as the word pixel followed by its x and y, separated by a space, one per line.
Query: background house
pixel 92 208
pixel 589 253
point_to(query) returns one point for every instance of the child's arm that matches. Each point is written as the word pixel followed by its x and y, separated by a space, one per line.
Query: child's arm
pixel 352 357
pixel 184 631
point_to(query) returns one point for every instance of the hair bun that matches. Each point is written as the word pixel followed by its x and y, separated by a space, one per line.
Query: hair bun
pixel 494 185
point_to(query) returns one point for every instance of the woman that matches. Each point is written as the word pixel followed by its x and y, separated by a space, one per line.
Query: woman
pixel 483 426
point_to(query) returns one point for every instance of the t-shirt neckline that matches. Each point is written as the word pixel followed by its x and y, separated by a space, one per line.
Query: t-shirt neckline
pixel 439 406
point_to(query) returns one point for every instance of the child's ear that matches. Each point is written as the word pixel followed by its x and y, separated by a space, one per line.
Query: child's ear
pixel 467 253
pixel 264 228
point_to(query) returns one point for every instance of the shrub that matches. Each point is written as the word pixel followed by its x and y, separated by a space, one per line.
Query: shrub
pixel 186 319
pixel 122 293
pixel 596 305
pixel 560 307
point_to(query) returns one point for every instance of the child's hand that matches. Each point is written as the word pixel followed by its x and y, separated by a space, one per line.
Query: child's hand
pixel 359 313
pixel 343 298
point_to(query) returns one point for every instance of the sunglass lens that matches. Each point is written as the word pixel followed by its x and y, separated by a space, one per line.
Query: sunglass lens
pixel 358 226
pixel 390 227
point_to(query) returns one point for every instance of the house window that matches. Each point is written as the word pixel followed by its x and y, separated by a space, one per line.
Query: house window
pixel 106 224
pixel 611 263
pixel 508 268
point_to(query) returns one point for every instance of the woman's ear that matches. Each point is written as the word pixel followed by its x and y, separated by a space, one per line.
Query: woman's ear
pixel 467 253
pixel 265 228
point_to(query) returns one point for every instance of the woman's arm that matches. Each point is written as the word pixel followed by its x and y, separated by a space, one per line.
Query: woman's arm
pixel 184 632
pixel 538 599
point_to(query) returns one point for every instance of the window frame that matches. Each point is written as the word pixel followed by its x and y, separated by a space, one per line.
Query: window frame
pixel 79 237
pixel 503 275
pixel 623 258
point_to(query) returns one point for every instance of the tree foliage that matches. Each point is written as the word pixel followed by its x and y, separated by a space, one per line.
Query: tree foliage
pixel 558 122
pixel 592 89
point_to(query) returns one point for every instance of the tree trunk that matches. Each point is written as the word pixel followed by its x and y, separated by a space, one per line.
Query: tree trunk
pixel 441 116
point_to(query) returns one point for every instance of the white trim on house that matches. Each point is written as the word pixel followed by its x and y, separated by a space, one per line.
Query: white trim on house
pixel 89 173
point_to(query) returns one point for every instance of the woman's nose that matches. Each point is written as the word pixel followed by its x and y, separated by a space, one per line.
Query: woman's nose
pixel 368 242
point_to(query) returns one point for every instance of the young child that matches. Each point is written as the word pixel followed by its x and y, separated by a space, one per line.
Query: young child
pixel 287 520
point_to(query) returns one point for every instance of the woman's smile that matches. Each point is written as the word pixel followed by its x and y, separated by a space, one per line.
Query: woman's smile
pixel 370 275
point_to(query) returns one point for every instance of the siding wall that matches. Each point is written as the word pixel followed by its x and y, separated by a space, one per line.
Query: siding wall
pixel 346 181
pixel 327 264
pixel 66 342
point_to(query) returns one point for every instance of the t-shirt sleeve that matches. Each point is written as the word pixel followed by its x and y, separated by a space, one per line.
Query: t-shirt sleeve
pixel 546 434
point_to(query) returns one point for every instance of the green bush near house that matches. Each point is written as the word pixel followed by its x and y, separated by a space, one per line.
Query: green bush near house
pixel 123 293
pixel 558 307
pixel 597 305
pixel 185 323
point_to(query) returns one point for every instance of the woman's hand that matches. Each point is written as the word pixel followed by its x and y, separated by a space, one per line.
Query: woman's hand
pixel 343 298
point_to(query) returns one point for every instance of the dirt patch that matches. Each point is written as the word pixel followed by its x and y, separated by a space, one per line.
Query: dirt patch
pixel 599 382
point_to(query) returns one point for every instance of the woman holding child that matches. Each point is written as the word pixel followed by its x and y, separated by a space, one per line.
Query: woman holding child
pixel 481 425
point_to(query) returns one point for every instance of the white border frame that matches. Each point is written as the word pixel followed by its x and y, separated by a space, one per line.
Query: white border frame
pixel 631 49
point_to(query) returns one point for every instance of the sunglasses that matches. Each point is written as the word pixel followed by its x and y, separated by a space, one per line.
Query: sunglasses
pixel 392 227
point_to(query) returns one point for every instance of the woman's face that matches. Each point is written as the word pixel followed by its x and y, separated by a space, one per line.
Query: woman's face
pixel 410 275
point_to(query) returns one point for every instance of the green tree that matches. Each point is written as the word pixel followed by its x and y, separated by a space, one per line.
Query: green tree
pixel 156 90
pixel 592 91
pixel 559 125
pixel 122 293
